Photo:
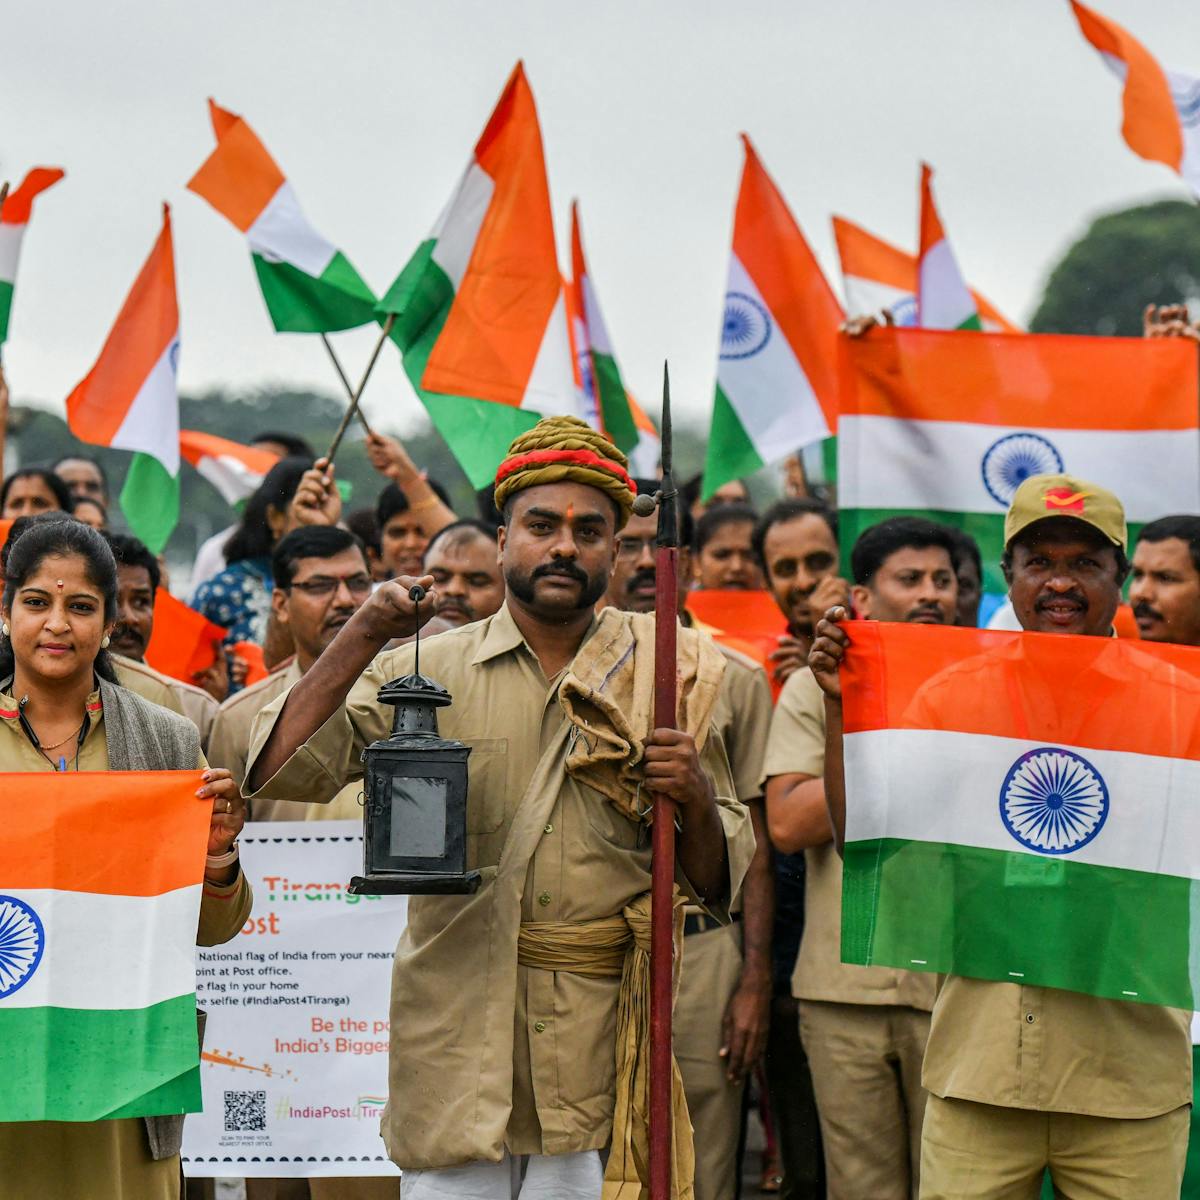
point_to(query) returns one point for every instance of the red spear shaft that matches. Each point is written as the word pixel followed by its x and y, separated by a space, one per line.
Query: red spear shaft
pixel 662 871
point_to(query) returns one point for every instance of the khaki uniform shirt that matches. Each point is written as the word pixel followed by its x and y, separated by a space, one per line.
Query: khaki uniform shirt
pixel 743 717
pixel 797 746
pixel 51 1158
pixel 488 1055
pixel 189 701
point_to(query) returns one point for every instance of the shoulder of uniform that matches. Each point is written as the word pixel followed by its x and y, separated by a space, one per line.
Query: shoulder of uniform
pixel 739 661
pixel 133 670
pixel 262 692
pixel 156 711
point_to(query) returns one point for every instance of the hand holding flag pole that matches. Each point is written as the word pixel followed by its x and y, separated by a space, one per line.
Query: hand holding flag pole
pixel 357 395
pixel 662 870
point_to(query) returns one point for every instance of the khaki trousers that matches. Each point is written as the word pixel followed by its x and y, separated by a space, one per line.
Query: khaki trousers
pixel 983 1152
pixel 323 1189
pixel 866 1072
pixel 712 966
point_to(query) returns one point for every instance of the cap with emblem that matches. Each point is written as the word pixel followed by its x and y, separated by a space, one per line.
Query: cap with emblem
pixel 1043 496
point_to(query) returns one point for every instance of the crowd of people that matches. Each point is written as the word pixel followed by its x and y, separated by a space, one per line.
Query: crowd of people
pixel 870 1083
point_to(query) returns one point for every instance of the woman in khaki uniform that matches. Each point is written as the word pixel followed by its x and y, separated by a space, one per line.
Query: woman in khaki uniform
pixel 61 710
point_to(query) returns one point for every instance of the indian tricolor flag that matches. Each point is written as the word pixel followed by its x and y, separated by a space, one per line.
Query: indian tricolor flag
pixel 100 881
pixel 1023 808
pixel 480 315
pixel 878 275
pixel 777 369
pixel 233 469
pixel 943 299
pixel 130 400
pixel 308 284
pixel 615 410
pixel 948 427
pixel 1161 108
pixel 14 219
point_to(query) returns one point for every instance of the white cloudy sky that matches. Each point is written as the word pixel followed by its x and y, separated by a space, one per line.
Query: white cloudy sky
pixel 371 108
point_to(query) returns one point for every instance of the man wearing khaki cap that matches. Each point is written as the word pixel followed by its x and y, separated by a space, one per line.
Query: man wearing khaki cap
pixel 1027 1079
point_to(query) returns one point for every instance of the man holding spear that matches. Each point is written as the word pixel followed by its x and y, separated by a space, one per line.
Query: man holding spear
pixel 519 1014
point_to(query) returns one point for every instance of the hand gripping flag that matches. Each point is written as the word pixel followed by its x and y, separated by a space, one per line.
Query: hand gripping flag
pixel 776 371
pixel 943 301
pixel 1161 108
pixel 14 218
pixel 609 406
pixel 877 275
pixel 130 401
pixel 1023 808
pixel 308 284
pixel 233 469
pixel 480 311
pixel 947 427
pixel 100 881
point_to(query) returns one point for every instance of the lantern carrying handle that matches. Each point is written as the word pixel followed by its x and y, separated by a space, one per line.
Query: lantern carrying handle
pixel 416 594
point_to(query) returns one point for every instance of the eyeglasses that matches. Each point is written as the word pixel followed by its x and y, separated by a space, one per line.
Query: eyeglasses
pixel 322 586
pixel 631 548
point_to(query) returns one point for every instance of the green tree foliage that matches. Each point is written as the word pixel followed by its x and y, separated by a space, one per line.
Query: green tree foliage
pixel 1126 260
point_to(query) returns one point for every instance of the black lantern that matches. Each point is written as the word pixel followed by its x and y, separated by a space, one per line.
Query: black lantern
pixel 415 814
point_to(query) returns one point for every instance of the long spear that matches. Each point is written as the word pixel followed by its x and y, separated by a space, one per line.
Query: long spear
pixel 662 870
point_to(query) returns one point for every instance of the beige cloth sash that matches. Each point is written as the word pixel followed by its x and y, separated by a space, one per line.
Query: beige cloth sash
pixel 609 948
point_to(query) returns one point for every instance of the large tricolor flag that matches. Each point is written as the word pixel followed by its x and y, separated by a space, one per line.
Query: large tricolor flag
pixel 233 469
pixel 129 400
pixel 308 283
pixel 1161 108
pixel 480 310
pixel 878 275
pixel 777 368
pixel 616 411
pixel 1023 808
pixel 948 427
pixel 14 218
pixel 943 299
pixel 100 885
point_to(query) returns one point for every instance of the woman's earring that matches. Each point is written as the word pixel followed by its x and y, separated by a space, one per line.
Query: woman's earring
pixel 4 629
pixel 104 642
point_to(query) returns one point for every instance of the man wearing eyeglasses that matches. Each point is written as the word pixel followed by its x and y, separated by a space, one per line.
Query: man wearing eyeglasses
pixel 321 580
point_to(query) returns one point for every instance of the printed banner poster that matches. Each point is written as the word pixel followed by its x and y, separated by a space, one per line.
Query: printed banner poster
pixel 294 1067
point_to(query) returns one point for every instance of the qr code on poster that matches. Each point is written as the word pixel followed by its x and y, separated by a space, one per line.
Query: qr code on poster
pixel 245 1112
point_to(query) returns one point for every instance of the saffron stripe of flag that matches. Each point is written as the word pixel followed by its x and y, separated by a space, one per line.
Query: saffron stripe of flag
pixel 233 469
pixel 878 275
pixel 308 284
pixel 105 866
pixel 480 308
pixel 14 219
pixel 947 427
pixel 1022 807
pixel 1161 120
pixel 130 401
pixel 777 366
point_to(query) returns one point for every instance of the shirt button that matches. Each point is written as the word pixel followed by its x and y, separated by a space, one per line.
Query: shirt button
pixel 548 829
pixel 544 899
pixel 1029 1018
pixel 539 1027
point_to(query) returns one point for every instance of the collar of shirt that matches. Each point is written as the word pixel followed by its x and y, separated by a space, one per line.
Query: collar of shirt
pixel 502 637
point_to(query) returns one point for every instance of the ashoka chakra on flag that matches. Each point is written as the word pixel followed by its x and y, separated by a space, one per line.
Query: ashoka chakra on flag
pixel 22 940
pixel 1053 801
pixel 1013 459
pixel 746 328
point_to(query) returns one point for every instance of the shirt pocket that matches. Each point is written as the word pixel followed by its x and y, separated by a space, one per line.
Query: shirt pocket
pixel 487 784
pixel 612 825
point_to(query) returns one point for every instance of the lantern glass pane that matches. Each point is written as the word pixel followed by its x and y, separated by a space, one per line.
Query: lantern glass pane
pixel 418 817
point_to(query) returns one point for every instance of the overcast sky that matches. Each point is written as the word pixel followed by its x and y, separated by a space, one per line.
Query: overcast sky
pixel 371 108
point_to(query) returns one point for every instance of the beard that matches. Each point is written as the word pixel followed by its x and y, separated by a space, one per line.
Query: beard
pixel 522 584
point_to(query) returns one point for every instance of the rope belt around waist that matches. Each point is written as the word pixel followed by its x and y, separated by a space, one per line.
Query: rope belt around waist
pixel 610 948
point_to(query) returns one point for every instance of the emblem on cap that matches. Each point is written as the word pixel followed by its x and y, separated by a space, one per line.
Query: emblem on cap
pixel 1053 801
pixel 1063 500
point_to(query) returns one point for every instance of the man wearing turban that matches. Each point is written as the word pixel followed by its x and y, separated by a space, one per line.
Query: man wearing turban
pixel 518 1014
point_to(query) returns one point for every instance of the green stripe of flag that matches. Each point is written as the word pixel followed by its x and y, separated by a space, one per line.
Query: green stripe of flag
pixel 730 454
pixel 69 1064
pixel 614 407
pixel 1019 918
pixel 478 432
pixel 6 299
pixel 150 501
pixel 302 303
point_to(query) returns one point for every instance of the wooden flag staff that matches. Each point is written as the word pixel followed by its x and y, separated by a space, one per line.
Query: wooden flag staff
pixel 357 395
pixel 341 374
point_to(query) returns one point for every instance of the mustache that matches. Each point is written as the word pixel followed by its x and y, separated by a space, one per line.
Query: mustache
pixel 1075 597
pixel 1142 609
pixel 121 632
pixel 568 569
pixel 928 610
pixel 648 576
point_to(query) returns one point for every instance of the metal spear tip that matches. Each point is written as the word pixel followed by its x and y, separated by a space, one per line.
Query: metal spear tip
pixel 644 506
pixel 416 593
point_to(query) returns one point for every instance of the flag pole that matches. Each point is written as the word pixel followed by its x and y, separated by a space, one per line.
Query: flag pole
pixel 341 374
pixel 357 395
pixel 662 870
pixel 3 197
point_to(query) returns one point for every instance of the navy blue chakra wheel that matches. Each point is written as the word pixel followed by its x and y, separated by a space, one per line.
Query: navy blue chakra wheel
pixel 1053 801
pixel 746 328
pixel 22 940
pixel 1013 459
